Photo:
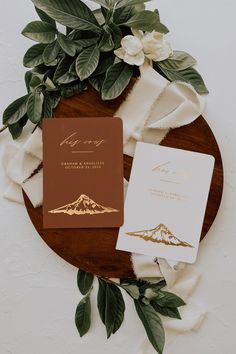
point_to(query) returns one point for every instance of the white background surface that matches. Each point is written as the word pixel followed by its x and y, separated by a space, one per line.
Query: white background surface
pixel 38 293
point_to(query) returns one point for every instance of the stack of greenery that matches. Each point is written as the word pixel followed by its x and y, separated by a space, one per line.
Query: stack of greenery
pixel 64 64
pixel 150 302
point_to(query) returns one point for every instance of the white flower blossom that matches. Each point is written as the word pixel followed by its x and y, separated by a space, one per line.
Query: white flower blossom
pixel 135 48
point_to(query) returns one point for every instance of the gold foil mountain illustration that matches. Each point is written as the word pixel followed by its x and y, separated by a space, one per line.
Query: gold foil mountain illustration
pixel 160 234
pixel 83 205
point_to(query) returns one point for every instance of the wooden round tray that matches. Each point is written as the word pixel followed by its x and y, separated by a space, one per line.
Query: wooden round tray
pixel 94 250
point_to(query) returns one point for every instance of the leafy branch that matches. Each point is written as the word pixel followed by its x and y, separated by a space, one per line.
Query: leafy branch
pixel 64 64
pixel 150 301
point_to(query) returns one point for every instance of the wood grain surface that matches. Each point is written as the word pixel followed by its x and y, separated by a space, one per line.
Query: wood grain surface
pixel 94 250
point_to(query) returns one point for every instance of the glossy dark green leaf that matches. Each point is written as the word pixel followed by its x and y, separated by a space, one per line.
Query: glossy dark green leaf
pixel 39 31
pixel 111 306
pixel 15 111
pixel 123 14
pixel 72 89
pixel 67 78
pixel 87 62
pixel 34 55
pixel 66 44
pixel 97 82
pixel 106 44
pixel 147 21
pixel 28 77
pixel 35 107
pixel 47 106
pixel 51 52
pixel 117 78
pixel 104 63
pixel 178 61
pixel 86 42
pixel 166 311
pixel 83 316
pixel 168 299
pixel 190 76
pixel 74 13
pixel 44 17
pixel 132 290
pixel 17 128
pixel 124 3
pixel 84 281
pixel 152 324
pixel 63 67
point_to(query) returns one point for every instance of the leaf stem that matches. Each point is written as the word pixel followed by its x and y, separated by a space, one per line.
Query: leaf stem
pixel 3 128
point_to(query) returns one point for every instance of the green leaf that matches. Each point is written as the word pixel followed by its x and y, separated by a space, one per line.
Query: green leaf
pixel 99 16
pixel 55 98
pixel 124 3
pixel 97 82
pixel 51 52
pixel 178 61
pixel 104 64
pixel 86 42
pixel 67 44
pixel 84 281
pixel 171 312
pixel 147 21
pixel 34 56
pixel 35 107
pixel 117 78
pixel 105 3
pixel 15 111
pixel 74 13
pixel 44 17
pixel 190 76
pixel 47 106
pixel 132 290
pixel 17 128
pixel 168 299
pixel 111 306
pixel 106 44
pixel 62 68
pixel 41 32
pixel 87 62
pixel 83 316
pixel 67 78
pixel 28 77
pixel 123 14
pixel 152 324
pixel 72 89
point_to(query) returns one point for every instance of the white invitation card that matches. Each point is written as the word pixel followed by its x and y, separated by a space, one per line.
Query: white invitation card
pixel 166 202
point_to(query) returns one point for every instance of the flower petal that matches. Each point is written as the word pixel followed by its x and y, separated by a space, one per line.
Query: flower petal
pixel 135 59
pixel 120 53
pixel 131 44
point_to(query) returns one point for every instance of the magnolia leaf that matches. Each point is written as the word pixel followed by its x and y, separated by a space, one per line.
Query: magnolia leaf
pixel 28 77
pixel 84 281
pixel 166 311
pixel 67 78
pixel 132 290
pixel 146 21
pixel 38 31
pixel 74 13
pixel 66 44
pixel 44 17
pixel 87 62
pixel 106 44
pixel 117 78
pixel 86 42
pixel 72 89
pixel 83 316
pixel 17 128
pixel 51 52
pixel 34 55
pixel 168 299
pixel 124 3
pixel 35 107
pixel 97 82
pixel 152 324
pixel 47 106
pixel 178 61
pixel 15 111
pixel 104 64
pixel 123 14
pixel 111 306
pixel 99 16
pixel 62 68
pixel 190 75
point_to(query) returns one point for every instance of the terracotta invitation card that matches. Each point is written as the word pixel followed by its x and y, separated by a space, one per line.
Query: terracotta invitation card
pixel 83 172
pixel 166 202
